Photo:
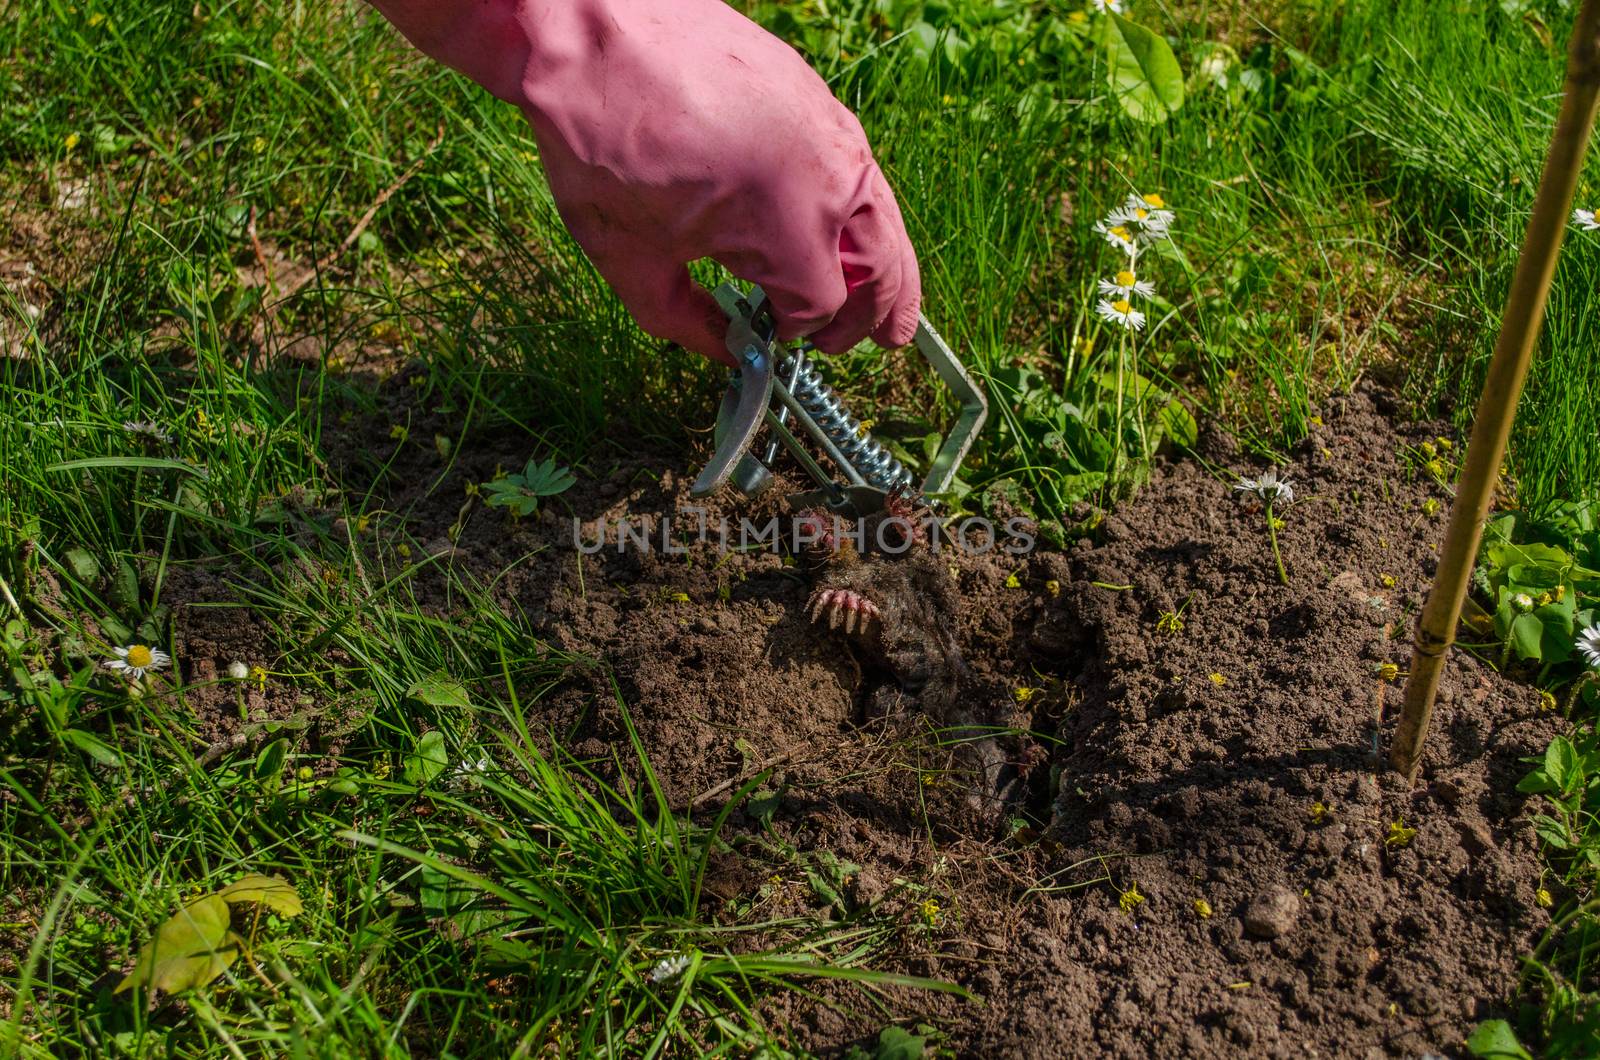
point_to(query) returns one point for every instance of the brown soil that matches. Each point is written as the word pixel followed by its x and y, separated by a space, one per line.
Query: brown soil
pixel 1187 764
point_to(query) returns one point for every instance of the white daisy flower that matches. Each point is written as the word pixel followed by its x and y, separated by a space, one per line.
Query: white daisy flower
pixel 1148 211
pixel 1147 225
pixel 1107 6
pixel 1269 487
pixel 238 671
pixel 1118 235
pixel 1126 285
pixel 1587 219
pixel 1522 602
pixel 669 968
pixel 137 659
pixel 1588 645
pixel 1120 312
pixel 148 430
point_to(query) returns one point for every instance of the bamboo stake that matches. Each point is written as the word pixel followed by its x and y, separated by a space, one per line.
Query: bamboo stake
pixel 1497 407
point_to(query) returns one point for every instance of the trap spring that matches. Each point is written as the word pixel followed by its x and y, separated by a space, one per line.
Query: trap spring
pixel 773 383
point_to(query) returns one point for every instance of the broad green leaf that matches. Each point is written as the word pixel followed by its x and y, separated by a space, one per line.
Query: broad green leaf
pixel 428 760
pixel 1496 1039
pixel 545 479
pixel 269 762
pixel 124 590
pixel 1555 833
pixel 84 566
pixel 117 630
pixel 1557 623
pixel 897 1043
pixel 189 950
pixel 1535 554
pixel 763 804
pixel 442 895
pixel 1179 424
pixel 439 689
pixel 274 892
pixel 1527 634
pixel 1528 577
pixel 1561 763
pixel 92 746
pixel 1143 73
pixel 1536 783
pixel 1498 530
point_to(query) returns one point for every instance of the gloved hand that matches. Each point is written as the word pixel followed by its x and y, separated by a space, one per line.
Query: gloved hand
pixel 673 130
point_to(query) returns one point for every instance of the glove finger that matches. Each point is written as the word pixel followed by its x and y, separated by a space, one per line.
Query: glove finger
pixel 805 286
pixel 898 325
pixel 659 292
pixel 872 276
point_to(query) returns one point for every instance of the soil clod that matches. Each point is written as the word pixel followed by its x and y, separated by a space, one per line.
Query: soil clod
pixel 1273 912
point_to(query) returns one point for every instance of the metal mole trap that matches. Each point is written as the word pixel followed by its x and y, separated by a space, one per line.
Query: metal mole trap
pixel 774 383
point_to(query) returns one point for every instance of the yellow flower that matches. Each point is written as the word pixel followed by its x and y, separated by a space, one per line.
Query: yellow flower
pixel 363 523
pixel 1130 899
pixel 1013 582
pixel 1052 587
pixel 1202 908
pixel 1388 671
pixel 1386 580
pixel 1023 695
pixel 1547 700
pixel 1542 896
pixel 258 674
pixel 71 141
pixel 403 550
pixel 398 432
pixel 96 18
pixel 1320 812
pixel 1218 680
pixel 1399 835
pixel 929 912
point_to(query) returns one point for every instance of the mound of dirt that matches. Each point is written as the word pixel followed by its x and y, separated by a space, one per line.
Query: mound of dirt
pixel 1208 857
pixel 1235 762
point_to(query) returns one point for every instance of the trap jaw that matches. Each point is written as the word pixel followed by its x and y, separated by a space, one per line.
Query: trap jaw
pixel 774 383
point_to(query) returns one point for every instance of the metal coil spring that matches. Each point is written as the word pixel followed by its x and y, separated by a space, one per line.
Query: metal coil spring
pixel 874 463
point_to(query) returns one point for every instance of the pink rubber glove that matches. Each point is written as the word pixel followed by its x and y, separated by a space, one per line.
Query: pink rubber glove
pixel 674 130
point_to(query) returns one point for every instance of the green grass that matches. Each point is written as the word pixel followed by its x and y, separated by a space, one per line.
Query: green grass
pixel 1349 186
